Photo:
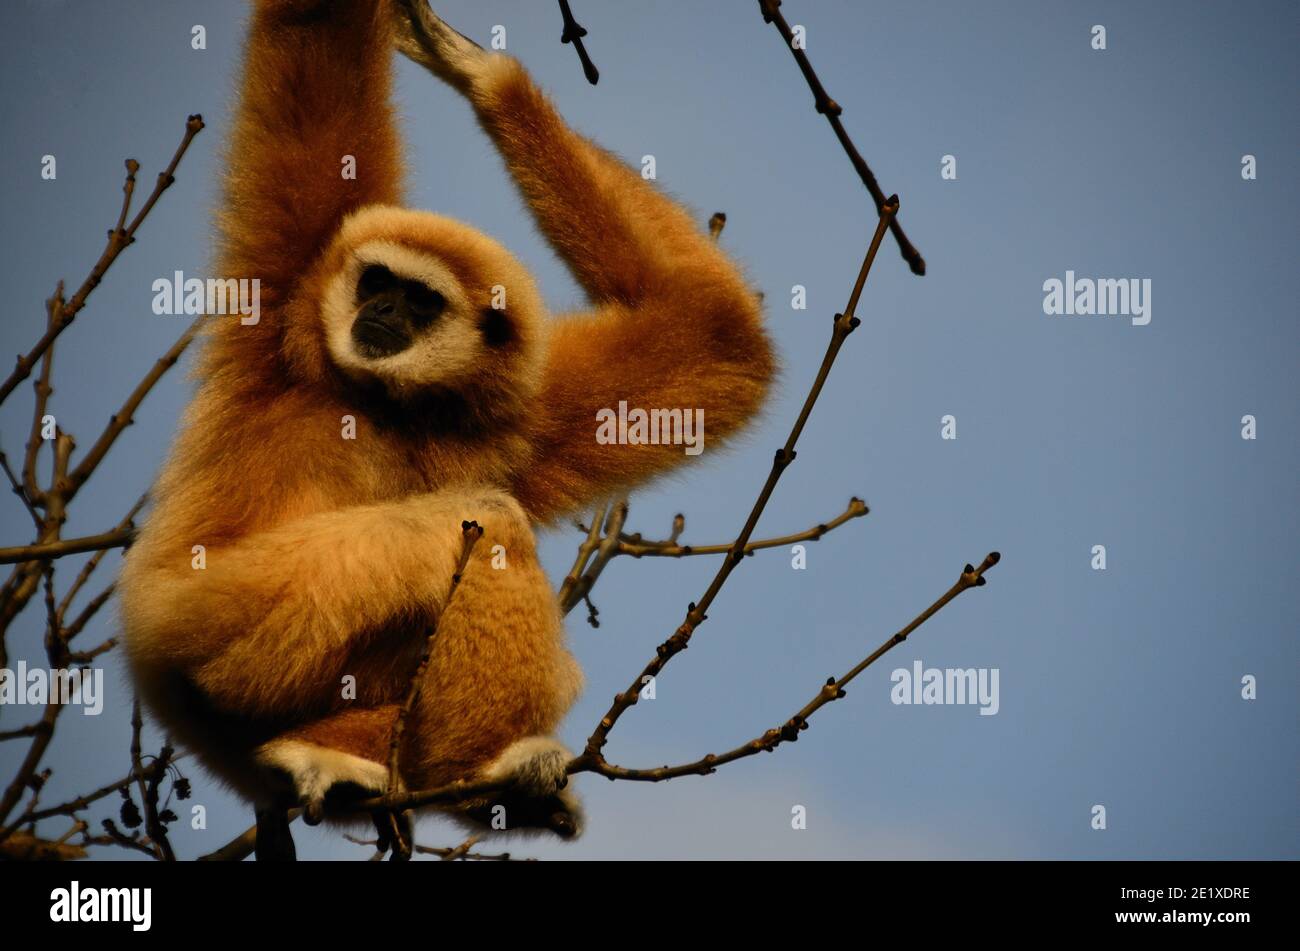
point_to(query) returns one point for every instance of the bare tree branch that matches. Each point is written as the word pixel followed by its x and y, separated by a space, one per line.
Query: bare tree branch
pixel 118 240
pixel 149 788
pixel 789 731
pixel 638 547
pixel 831 110
pixel 94 560
pixel 113 538
pixel 18 489
pixel 242 845
pixel 25 847
pixel 125 416
pixel 459 853
pixel 697 612
pixel 43 391
pixel 605 550
pixel 585 551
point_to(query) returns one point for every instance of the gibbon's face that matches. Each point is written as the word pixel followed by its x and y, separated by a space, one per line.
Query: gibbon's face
pixel 403 317
pixel 427 305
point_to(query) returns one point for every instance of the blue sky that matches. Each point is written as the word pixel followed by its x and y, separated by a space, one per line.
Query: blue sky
pixel 1119 687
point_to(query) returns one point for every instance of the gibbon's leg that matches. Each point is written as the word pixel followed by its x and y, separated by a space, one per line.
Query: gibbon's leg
pixel 498 682
pixel 675 326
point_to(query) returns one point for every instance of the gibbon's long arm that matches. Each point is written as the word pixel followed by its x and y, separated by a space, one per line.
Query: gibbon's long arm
pixel 315 88
pixel 674 326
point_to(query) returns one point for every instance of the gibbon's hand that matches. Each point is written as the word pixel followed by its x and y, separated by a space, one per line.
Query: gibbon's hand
pixel 423 37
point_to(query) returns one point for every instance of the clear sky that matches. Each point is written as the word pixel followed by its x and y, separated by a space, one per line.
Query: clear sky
pixel 1120 687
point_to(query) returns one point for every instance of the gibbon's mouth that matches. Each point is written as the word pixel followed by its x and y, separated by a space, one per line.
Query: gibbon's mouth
pixel 375 337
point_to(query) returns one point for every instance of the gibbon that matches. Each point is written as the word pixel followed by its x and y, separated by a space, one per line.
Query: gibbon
pixel 405 377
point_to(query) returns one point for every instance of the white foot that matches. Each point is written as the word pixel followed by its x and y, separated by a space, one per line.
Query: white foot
pixel 535 765
pixel 315 770
pixel 537 797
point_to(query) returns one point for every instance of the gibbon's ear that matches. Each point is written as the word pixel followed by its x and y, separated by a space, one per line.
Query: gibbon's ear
pixel 497 327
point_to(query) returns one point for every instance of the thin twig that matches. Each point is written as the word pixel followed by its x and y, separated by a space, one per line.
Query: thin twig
pixel 75 805
pixel 573 33
pixel 25 847
pixel 132 841
pixel 113 538
pixel 242 845
pixel 460 851
pixel 831 110
pixel 443 852
pixel 148 788
pixel 118 240
pixel 43 391
pixel 570 596
pixel 18 489
pixel 585 551
pixel 86 656
pixel 125 416
pixel 638 547
pixel 44 730
pixel 17 592
pixel 28 730
pixel 90 610
pixel 94 560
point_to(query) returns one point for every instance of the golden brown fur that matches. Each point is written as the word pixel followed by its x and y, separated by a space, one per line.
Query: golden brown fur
pixel 328 557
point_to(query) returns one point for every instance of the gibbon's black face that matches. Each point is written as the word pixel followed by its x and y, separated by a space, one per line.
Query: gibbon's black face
pixel 392 312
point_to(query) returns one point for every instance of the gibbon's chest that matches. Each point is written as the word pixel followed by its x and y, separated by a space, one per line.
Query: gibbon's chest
pixel 385 462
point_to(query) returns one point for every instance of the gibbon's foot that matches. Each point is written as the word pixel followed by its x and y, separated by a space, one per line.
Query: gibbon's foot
pixel 512 812
pixel 535 765
pixel 322 778
pixel 537 797
pixel 274 840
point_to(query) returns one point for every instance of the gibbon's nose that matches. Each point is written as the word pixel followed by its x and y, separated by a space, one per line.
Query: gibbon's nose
pixel 382 328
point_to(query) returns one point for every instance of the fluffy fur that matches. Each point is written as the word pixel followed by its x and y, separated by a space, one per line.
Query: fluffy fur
pixel 329 557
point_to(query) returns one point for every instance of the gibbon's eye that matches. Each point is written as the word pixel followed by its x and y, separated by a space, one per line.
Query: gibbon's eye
pixel 375 278
pixel 496 328
pixel 425 301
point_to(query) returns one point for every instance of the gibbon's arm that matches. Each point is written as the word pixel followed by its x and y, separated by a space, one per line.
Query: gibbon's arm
pixel 315 88
pixel 675 326
pixel 272 620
